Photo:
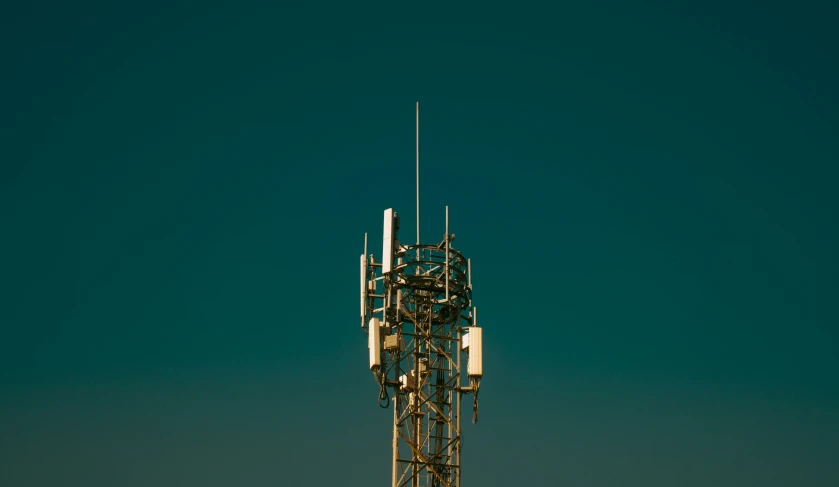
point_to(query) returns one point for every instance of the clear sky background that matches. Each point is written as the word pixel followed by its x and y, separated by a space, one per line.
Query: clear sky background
pixel 647 192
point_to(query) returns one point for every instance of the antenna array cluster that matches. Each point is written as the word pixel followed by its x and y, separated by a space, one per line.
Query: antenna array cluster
pixel 425 346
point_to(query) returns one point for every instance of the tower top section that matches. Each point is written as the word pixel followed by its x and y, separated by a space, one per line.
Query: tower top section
pixel 425 347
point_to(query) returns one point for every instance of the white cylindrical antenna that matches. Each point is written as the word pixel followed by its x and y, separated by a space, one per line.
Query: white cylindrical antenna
pixel 418 199
pixel 469 273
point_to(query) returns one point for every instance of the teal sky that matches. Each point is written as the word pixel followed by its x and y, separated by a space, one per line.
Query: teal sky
pixel 647 192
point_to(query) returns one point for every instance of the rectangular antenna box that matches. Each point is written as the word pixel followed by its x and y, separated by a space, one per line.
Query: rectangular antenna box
pixel 391 342
pixel 407 381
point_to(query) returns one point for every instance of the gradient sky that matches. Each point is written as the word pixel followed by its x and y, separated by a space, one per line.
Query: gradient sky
pixel 647 193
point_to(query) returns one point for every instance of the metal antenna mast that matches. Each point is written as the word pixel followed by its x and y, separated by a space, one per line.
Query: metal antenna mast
pixel 425 345
pixel 418 206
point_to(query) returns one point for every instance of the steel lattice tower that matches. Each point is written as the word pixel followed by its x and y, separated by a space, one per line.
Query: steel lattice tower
pixel 425 345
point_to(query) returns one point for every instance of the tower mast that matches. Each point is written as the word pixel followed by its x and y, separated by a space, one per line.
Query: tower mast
pixel 416 309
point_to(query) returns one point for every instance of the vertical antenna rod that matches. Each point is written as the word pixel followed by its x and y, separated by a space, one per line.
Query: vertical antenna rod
pixel 418 206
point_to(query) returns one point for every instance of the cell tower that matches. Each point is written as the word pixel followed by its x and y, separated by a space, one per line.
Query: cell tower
pixel 416 309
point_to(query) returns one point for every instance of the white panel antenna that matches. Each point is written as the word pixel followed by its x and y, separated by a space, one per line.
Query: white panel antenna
pixel 363 288
pixel 475 366
pixel 388 239
pixel 374 343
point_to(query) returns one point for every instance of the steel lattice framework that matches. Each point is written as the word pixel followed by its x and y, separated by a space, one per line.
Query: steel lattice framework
pixel 416 308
